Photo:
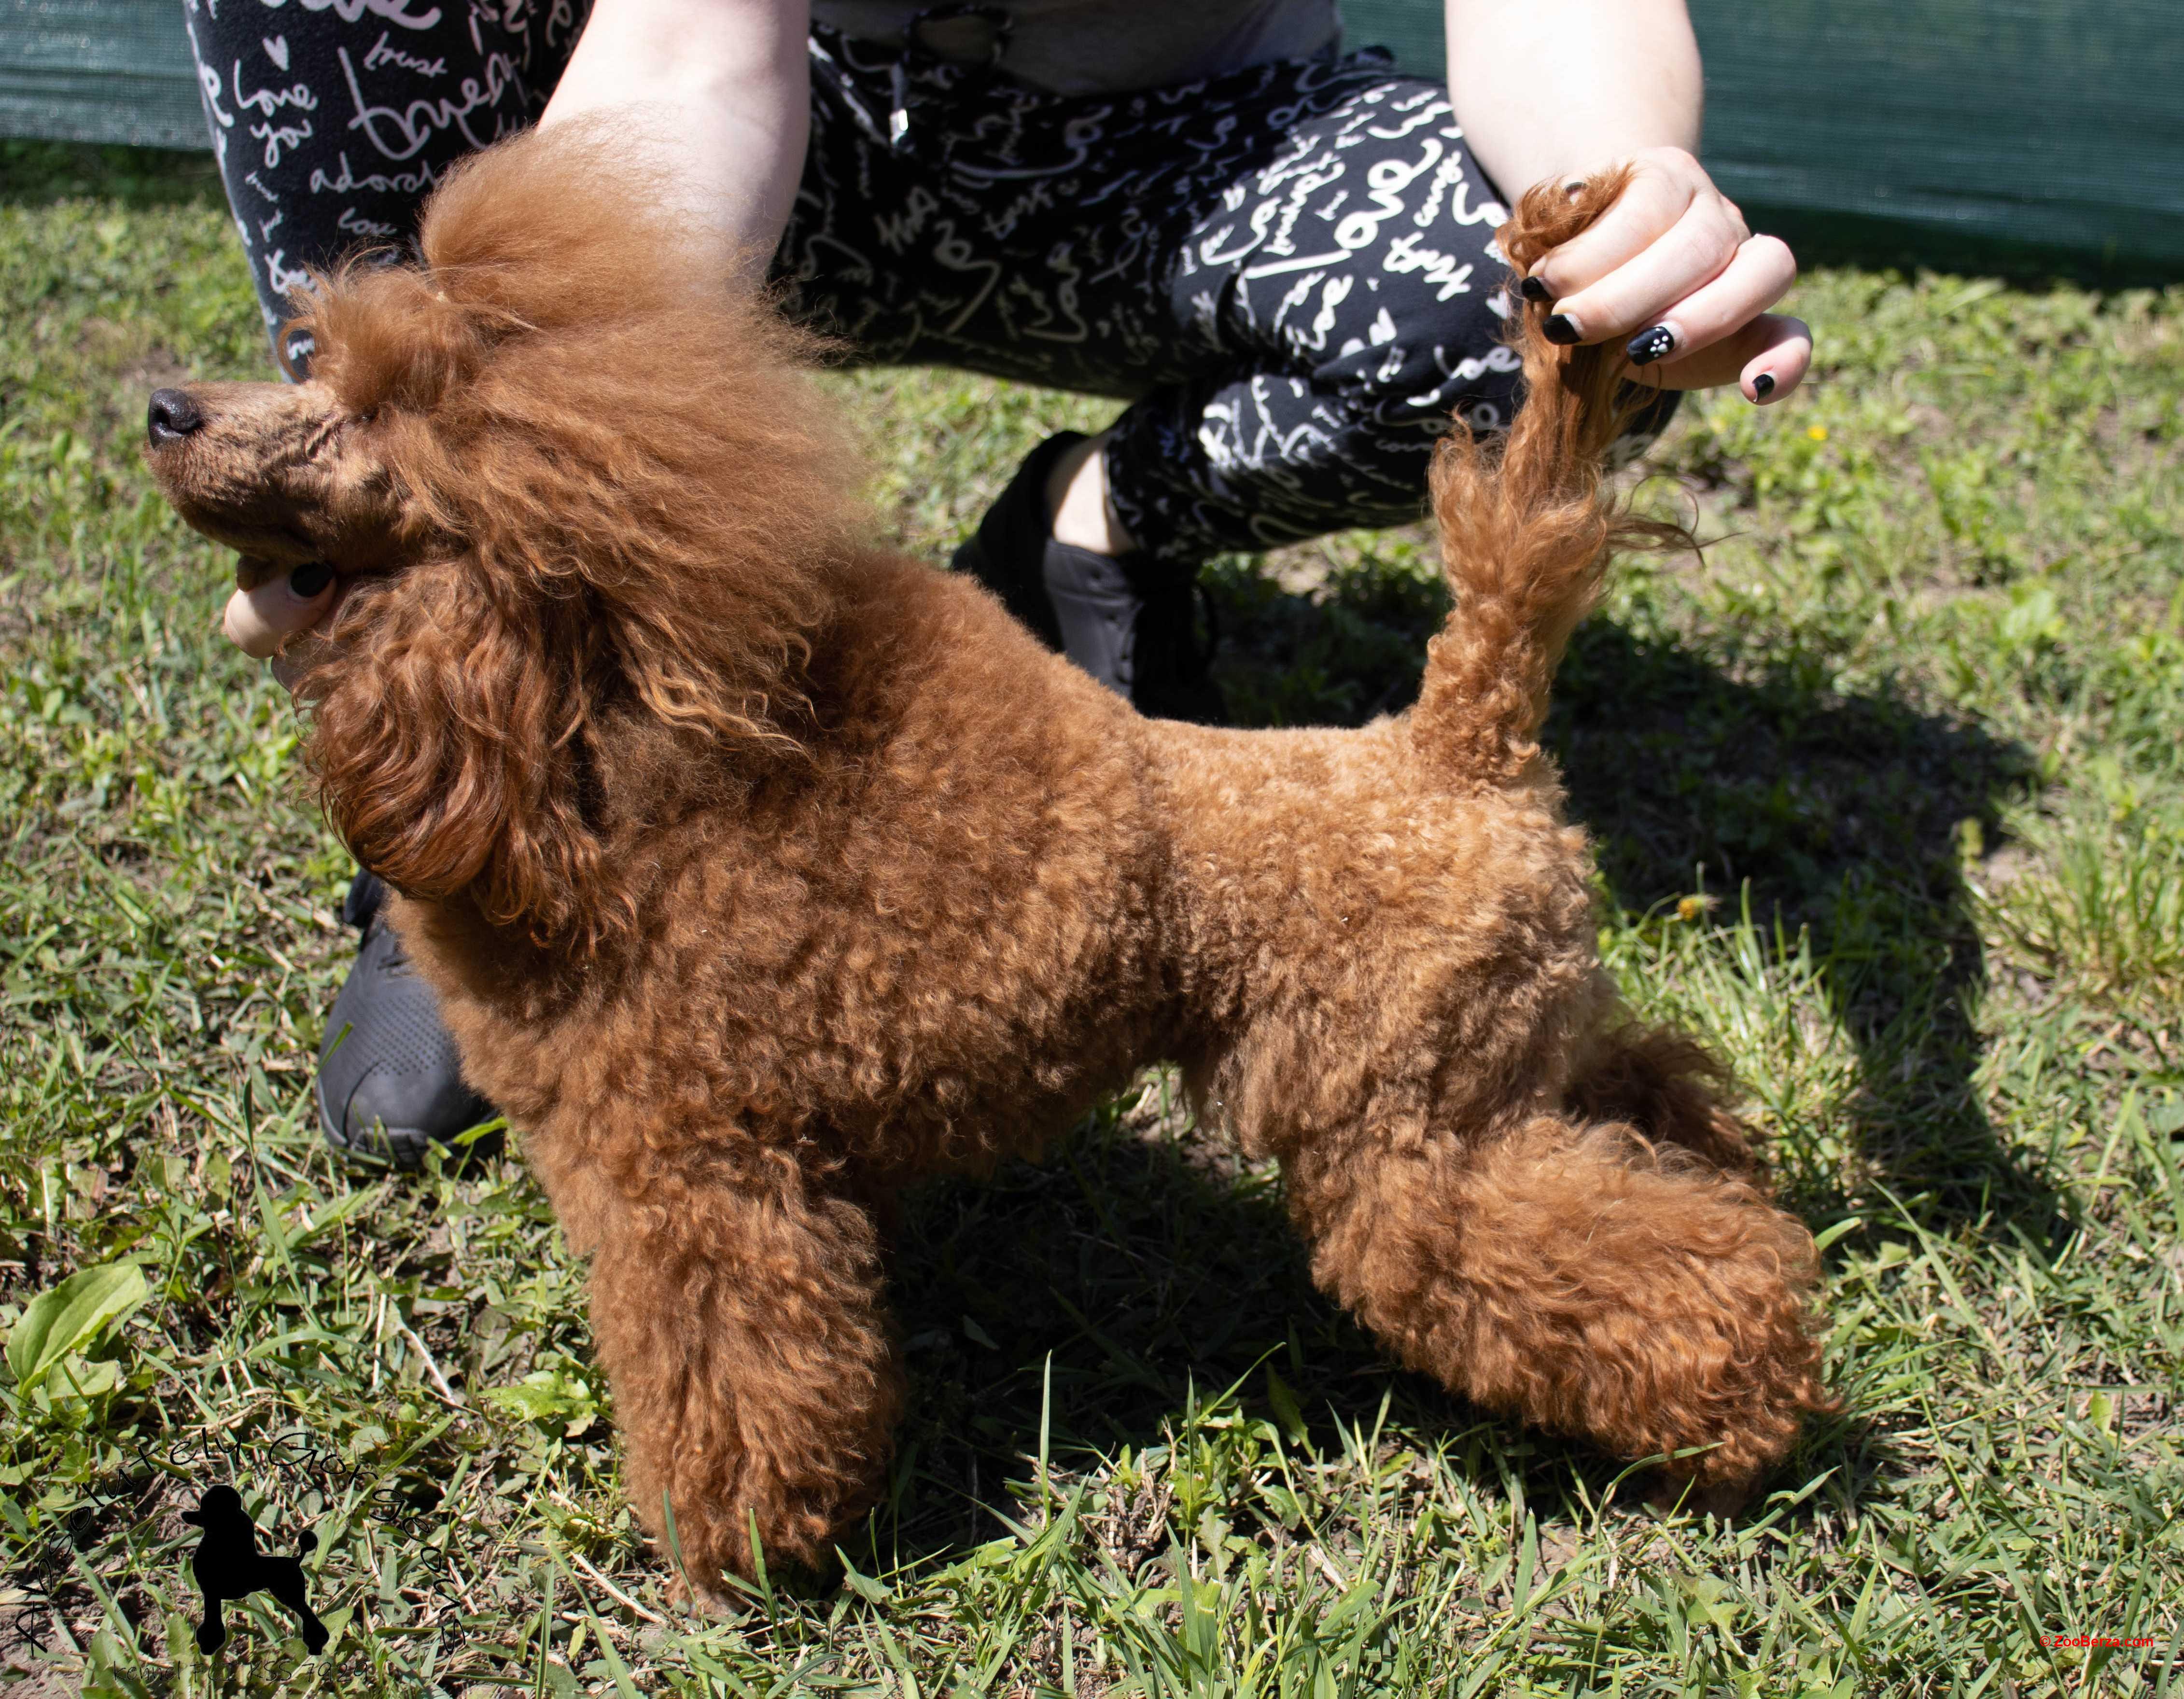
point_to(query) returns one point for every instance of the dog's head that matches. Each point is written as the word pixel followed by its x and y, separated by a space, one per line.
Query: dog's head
pixel 568 479
pixel 220 1509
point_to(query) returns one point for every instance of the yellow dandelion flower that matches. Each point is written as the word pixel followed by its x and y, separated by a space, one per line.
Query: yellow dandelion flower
pixel 1690 908
pixel 1819 433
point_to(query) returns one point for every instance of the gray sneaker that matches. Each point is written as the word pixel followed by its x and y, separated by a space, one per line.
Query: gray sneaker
pixel 390 1083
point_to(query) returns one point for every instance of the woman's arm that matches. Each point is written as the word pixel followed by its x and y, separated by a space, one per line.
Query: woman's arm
pixel 1547 88
pixel 724 87
pixel 1564 88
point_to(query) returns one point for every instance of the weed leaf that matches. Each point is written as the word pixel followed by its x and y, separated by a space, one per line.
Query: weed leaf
pixel 70 1317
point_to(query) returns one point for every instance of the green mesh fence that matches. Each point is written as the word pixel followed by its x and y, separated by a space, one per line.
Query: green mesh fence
pixel 1945 131
pixel 99 70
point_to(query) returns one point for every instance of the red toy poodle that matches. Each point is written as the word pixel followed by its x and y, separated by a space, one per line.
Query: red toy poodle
pixel 763 871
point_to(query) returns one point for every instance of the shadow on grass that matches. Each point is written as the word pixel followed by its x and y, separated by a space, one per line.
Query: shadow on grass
pixel 1840 816
pixel 1130 1272
pixel 39 172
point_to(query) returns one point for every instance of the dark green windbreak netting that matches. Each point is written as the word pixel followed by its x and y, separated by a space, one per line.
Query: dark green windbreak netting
pixel 1930 128
pixel 99 70
pixel 1943 127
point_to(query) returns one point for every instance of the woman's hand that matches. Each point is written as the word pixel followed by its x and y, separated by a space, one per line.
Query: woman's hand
pixel 1551 91
pixel 1672 268
pixel 266 612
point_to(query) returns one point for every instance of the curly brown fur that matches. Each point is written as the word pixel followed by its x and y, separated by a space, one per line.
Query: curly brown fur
pixel 760 873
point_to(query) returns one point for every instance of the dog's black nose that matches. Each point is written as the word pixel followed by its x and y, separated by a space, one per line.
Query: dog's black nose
pixel 172 416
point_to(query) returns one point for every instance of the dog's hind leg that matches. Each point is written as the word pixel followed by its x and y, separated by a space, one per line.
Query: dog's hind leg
pixel 284 1579
pixel 754 1382
pixel 1578 1279
pixel 1667 1087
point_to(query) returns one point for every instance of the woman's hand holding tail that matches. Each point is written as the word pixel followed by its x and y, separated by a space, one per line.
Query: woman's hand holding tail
pixel 1560 90
pixel 1673 270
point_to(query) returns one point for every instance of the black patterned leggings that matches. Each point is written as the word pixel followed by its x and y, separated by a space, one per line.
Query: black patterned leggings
pixel 1287 271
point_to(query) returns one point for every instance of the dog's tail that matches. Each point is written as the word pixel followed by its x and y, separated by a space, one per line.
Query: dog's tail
pixel 1526 525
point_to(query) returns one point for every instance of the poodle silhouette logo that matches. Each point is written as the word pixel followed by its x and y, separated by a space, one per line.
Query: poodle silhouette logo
pixel 228 1565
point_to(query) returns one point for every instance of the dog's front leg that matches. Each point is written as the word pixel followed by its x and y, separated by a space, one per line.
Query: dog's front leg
pixel 212 1624
pixel 756 1383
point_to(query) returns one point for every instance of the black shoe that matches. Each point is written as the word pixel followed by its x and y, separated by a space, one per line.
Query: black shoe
pixel 1131 622
pixel 390 1083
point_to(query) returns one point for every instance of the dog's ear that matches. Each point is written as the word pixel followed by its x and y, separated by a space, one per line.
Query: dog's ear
pixel 446 744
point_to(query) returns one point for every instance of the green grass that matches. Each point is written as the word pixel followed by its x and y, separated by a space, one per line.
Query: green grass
pixel 1890 795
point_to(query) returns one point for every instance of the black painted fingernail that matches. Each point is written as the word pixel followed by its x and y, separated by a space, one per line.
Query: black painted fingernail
pixel 1651 344
pixel 1533 290
pixel 308 579
pixel 1762 386
pixel 1562 328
